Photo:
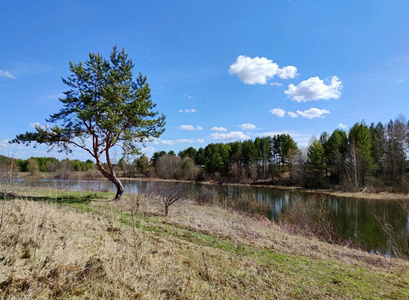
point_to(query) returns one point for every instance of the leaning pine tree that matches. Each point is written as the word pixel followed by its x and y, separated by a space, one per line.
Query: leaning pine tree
pixel 103 108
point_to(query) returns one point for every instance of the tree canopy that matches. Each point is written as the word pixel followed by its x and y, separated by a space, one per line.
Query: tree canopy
pixel 104 107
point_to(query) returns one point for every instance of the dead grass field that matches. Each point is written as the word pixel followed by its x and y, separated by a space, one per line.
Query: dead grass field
pixel 69 245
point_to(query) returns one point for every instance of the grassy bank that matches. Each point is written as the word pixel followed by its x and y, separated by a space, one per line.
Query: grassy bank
pixel 68 245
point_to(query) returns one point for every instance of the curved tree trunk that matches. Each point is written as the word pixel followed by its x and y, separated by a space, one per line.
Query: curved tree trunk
pixel 119 188
pixel 113 179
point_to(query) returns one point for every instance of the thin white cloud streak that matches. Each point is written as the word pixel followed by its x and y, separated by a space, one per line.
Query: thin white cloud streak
pixel 315 89
pixel 215 128
pixel 188 111
pixel 177 141
pixel 188 96
pixel 247 126
pixel 230 136
pixel 313 113
pixel 259 70
pixel 6 74
pixel 309 114
pixel 190 127
pixel 292 114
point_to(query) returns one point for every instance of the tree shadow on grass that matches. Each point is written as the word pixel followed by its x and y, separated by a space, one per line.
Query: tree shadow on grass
pixel 69 200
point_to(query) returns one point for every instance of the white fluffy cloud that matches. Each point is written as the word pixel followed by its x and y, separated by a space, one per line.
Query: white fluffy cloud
pixel 188 111
pixel 313 113
pixel 215 128
pixel 188 96
pixel 247 126
pixel 190 127
pixel 342 126
pixel 259 70
pixel 233 135
pixel 315 89
pixel 287 72
pixel 7 74
pixel 278 112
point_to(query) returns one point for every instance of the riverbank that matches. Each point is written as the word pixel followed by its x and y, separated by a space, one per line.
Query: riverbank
pixel 78 245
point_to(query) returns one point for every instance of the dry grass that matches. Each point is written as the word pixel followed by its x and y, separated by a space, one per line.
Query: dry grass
pixel 125 251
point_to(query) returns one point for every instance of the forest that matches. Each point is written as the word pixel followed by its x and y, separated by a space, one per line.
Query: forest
pixel 366 156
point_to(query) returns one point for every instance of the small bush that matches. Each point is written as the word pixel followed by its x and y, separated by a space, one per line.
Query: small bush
pixel 249 205
pixel 312 217
pixel 206 196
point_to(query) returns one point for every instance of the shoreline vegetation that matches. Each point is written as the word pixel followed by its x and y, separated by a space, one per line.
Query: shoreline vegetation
pixel 69 244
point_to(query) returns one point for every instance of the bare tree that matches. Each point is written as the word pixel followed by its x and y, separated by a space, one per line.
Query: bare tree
pixel 168 193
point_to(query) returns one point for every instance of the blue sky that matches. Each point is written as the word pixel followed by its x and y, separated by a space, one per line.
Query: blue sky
pixel 219 70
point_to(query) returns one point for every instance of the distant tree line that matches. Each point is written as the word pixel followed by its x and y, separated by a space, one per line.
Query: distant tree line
pixel 365 156
pixel 374 156
pixel 47 164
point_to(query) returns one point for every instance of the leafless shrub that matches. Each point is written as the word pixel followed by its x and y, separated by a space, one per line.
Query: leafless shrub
pixel 168 193
pixel 248 205
pixel 206 196
pixel 312 217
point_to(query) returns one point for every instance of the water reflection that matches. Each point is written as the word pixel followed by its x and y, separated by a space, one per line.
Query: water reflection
pixel 375 225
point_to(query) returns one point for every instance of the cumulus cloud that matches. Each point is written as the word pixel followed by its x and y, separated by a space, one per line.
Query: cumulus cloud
pixel 188 96
pixel 313 113
pixel 278 112
pixel 314 89
pixel 233 135
pixel 275 84
pixel 215 128
pixel 342 126
pixel 247 126
pixel 287 72
pixel 190 127
pixel 188 111
pixel 6 74
pixel 259 70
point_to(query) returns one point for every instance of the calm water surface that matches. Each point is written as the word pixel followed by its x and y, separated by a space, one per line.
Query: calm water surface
pixel 376 225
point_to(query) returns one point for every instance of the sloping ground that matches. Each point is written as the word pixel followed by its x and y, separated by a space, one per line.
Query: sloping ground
pixel 107 250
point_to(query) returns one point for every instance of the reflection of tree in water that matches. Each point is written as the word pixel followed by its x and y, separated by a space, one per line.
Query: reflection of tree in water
pixel 395 232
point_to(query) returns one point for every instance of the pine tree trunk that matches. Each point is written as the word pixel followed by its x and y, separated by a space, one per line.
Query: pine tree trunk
pixel 114 180
pixel 119 189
